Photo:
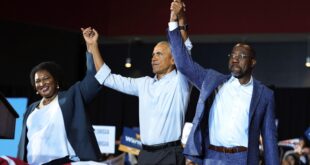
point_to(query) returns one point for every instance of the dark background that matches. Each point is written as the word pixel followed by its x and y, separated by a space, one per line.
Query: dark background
pixel 32 32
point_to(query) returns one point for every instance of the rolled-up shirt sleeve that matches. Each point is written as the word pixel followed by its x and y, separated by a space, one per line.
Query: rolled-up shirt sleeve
pixel 103 73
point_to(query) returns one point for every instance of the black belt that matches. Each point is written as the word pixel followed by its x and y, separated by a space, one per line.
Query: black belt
pixel 228 150
pixel 161 146
pixel 63 160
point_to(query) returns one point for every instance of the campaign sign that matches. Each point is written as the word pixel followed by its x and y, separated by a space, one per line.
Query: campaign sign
pixel 105 136
pixel 130 141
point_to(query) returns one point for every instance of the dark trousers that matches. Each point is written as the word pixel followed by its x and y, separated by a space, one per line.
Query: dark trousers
pixel 167 156
pixel 220 158
pixel 59 161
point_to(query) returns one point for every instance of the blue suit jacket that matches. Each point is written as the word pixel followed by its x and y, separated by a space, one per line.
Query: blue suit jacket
pixel 261 115
pixel 79 130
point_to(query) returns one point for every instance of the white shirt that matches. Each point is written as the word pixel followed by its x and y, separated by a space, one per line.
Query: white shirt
pixel 162 103
pixel 229 114
pixel 47 135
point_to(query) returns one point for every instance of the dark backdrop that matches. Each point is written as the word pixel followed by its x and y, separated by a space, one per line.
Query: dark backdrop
pixel 149 17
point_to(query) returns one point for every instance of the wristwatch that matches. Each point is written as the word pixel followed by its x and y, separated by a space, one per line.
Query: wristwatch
pixel 185 27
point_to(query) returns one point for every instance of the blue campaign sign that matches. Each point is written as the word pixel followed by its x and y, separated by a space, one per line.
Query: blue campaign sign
pixel 130 141
pixel 8 147
pixel 131 138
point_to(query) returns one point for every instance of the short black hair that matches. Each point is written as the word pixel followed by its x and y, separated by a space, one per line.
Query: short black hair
pixel 54 69
pixel 248 47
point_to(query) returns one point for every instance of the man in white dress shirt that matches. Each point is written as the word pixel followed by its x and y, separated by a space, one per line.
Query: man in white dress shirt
pixel 163 101
pixel 232 111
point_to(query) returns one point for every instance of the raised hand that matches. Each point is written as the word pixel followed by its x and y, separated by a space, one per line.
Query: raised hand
pixel 90 35
pixel 177 14
pixel 177 8
pixel 91 38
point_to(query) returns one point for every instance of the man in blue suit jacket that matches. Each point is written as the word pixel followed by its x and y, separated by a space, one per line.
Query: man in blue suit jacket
pixel 232 111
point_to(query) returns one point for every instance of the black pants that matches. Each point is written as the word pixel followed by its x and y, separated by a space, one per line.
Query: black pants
pixel 59 161
pixel 168 156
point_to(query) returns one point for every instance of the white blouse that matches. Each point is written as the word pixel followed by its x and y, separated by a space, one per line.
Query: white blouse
pixel 47 135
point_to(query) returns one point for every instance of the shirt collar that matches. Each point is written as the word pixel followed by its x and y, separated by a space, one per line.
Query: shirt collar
pixel 236 81
pixel 166 76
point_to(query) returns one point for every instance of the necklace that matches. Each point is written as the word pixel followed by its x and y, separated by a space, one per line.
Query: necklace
pixel 46 101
